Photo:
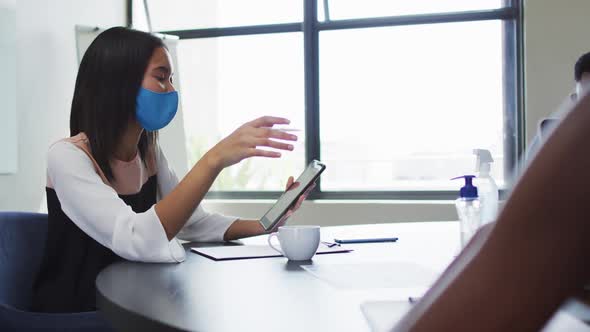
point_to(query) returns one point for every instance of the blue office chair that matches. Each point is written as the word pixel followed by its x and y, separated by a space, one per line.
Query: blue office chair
pixel 22 241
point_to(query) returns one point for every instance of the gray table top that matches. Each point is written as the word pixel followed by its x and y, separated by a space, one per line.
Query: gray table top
pixel 272 294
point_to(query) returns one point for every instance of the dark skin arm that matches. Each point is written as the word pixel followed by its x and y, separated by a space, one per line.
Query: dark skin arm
pixel 515 274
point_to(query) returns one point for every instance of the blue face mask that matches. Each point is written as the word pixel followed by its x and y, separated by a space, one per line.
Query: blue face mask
pixel 155 110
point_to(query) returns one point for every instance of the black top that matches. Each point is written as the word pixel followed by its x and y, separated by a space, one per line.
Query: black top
pixel 72 259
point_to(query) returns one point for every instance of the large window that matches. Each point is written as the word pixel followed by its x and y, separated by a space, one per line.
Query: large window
pixel 231 81
pixel 410 104
pixel 393 95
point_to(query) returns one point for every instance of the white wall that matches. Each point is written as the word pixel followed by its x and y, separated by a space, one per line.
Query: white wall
pixel 555 35
pixel 8 136
pixel 45 75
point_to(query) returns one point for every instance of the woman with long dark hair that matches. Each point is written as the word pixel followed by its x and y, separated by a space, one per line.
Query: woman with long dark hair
pixel 110 192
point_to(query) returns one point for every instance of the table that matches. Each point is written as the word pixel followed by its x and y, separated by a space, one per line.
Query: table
pixel 270 294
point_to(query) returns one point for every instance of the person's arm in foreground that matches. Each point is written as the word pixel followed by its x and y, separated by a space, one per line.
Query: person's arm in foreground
pixel 514 275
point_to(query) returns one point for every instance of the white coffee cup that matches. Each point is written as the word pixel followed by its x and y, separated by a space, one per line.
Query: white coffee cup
pixel 298 243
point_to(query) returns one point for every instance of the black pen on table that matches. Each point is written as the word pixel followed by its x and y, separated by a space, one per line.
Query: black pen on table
pixel 372 240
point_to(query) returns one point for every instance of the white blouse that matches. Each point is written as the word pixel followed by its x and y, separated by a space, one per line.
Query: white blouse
pixel 96 208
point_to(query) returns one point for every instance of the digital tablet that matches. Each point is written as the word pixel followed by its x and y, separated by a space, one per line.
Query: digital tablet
pixel 289 197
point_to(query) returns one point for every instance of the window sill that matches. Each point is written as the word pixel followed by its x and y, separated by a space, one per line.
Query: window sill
pixel 342 212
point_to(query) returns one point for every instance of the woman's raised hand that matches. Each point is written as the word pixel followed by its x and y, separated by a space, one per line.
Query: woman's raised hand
pixel 245 141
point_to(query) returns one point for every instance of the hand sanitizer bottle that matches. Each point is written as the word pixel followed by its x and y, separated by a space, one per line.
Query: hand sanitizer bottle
pixel 488 190
pixel 469 209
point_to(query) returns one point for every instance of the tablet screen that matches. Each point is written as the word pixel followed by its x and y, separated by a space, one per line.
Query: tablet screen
pixel 275 213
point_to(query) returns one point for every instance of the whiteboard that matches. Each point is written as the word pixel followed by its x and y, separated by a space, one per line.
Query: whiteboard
pixel 8 120
pixel 172 137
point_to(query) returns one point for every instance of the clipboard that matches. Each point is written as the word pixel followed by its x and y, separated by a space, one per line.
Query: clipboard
pixel 225 253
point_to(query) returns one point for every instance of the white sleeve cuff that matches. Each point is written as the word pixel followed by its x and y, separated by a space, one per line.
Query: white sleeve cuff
pixel 206 227
pixel 144 239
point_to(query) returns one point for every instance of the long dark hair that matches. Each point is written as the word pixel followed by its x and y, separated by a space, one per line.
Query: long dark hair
pixel 109 78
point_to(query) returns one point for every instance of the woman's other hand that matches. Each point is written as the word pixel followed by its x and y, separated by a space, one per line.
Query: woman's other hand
pixel 246 228
pixel 290 186
pixel 245 141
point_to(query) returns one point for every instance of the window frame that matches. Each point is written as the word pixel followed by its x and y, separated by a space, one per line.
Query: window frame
pixel 511 15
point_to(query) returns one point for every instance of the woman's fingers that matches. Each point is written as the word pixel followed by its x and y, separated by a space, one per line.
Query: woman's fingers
pixel 273 144
pixel 243 142
pixel 299 202
pixel 268 121
pixel 282 221
pixel 284 218
pixel 288 214
pixel 301 198
pixel 297 205
pixel 304 196
pixel 294 185
pixel 309 190
pixel 263 153
pixel 274 133
pixel 291 185
pixel 289 182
